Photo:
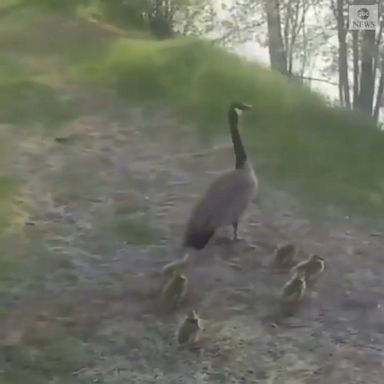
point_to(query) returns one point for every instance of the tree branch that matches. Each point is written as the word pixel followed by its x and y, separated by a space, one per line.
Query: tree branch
pixel 320 80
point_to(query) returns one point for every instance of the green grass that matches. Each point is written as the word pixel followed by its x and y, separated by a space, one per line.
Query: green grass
pixel 135 229
pixel 40 34
pixel 11 267
pixel 24 100
pixel 323 153
pixel 7 190
pixel 296 140
pixel 53 360
pixel 27 102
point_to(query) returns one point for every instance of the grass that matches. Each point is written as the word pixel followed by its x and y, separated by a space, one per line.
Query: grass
pixel 7 190
pixel 135 229
pixel 298 142
pixel 325 154
pixel 27 101
pixel 36 48
pixel 17 272
pixel 50 359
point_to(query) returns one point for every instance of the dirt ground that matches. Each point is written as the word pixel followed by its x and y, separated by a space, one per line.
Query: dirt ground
pixel 103 211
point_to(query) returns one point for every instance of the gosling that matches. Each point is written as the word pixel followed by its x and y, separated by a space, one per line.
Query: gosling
pixel 175 289
pixel 189 330
pixel 174 266
pixel 294 289
pixel 285 255
pixel 312 267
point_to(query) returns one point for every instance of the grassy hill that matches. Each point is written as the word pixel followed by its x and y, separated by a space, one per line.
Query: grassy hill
pixel 327 154
pixel 297 140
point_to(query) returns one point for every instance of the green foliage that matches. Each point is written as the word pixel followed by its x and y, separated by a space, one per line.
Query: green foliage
pixel 157 16
pixel 125 13
pixel 332 156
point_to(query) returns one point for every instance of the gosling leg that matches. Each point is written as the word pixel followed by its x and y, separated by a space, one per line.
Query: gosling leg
pixel 235 227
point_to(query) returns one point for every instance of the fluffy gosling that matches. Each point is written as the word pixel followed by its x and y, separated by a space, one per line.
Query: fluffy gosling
pixel 189 330
pixel 285 255
pixel 312 267
pixel 294 289
pixel 175 289
pixel 174 266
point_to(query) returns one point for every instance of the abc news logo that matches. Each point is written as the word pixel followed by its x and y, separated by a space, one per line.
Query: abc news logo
pixel 363 13
pixel 363 17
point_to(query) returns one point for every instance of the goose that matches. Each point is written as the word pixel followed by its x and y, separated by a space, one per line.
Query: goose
pixel 227 198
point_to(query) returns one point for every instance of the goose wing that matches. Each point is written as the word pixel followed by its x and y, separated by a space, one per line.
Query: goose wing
pixel 223 202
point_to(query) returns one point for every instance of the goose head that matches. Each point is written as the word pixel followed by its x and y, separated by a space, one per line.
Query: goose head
pixel 239 107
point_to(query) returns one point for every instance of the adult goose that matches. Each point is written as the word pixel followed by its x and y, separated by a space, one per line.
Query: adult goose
pixel 227 198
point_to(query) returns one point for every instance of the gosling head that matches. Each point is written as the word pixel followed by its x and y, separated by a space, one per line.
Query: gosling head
pixel 179 277
pixel 316 258
pixel 192 317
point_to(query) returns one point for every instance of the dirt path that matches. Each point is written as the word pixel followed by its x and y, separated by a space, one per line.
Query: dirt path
pixel 107 209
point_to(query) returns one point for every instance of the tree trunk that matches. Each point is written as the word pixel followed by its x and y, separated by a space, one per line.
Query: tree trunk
pixel 343 56
pixel 367 78
pixel 379 95
pixel 356 68
pixel 277 52
pixel 160 20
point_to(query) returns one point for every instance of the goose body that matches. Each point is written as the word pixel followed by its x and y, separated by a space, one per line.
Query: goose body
pixel 227 198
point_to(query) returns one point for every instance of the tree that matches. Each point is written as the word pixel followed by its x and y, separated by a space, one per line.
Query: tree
pixel 198 18
pixel 277 51
pixel 367 63
pixel 287 34
pixel 380 89
pixel 160 16
pixel 338 10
